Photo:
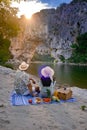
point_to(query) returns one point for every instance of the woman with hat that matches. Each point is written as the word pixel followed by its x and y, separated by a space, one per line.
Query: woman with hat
pixel 23 83
pixel 47 81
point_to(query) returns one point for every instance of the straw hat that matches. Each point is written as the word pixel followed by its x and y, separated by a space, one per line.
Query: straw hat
pixel 47 72
pixel 23 66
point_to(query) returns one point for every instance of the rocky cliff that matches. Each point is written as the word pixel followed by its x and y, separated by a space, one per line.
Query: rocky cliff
pixel 51 31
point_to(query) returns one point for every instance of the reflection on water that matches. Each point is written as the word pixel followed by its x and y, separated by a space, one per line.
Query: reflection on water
pixel 69 74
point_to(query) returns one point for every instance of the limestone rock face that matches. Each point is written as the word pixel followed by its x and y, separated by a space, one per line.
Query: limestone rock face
pixel 51 31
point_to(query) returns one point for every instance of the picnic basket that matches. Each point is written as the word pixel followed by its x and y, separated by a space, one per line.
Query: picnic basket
pixel 64 92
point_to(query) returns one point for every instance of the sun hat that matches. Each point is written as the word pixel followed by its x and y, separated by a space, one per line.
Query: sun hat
pixel 23 66
pixel 47 72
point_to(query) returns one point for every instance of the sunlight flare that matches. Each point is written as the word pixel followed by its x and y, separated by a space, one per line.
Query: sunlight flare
pixel 29 8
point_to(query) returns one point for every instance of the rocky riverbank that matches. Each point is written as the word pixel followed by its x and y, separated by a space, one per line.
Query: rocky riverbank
pixel 65 116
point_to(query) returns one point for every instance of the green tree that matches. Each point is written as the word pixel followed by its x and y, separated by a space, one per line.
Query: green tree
pixel 4 50
pixel 82 44
pixel 9 27
pixel 79 54
pixel 9 22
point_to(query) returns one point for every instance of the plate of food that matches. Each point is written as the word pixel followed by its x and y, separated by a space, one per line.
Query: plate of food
pixel 38 100
pixel 47 100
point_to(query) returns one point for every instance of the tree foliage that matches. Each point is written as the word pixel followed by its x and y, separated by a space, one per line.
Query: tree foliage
pixel 79 54
pixel 4 50
pixel 9 27
pixel 9 22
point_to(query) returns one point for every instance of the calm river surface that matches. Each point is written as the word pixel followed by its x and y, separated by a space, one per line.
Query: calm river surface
pixel 65 74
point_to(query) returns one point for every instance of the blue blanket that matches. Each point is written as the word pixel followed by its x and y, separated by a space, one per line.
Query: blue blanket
pixel 20 100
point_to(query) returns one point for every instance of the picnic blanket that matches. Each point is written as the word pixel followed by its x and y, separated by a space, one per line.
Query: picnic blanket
pixel 20 100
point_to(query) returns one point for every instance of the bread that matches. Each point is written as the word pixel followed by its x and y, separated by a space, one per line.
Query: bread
pixel 38 100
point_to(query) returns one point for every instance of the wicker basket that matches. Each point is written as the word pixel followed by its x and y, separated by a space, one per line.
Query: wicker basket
pixel 64 93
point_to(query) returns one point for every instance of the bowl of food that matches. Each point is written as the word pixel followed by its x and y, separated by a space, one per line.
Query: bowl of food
pixel 47 100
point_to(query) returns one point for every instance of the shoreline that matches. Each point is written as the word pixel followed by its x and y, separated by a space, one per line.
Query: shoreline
pixel 9 71
pixel 77 64
pixel 60 63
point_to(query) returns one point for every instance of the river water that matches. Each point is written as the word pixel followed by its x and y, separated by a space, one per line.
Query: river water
pixel 74 75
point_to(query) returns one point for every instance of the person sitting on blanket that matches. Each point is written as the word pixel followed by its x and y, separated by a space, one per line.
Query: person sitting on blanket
pixel 23 82
pixel 47 81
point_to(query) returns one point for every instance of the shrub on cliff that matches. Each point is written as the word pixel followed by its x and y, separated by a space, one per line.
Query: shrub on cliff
pixel 43 58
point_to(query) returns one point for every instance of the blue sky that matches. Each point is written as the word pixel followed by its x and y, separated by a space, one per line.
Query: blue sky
pixel 55 3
